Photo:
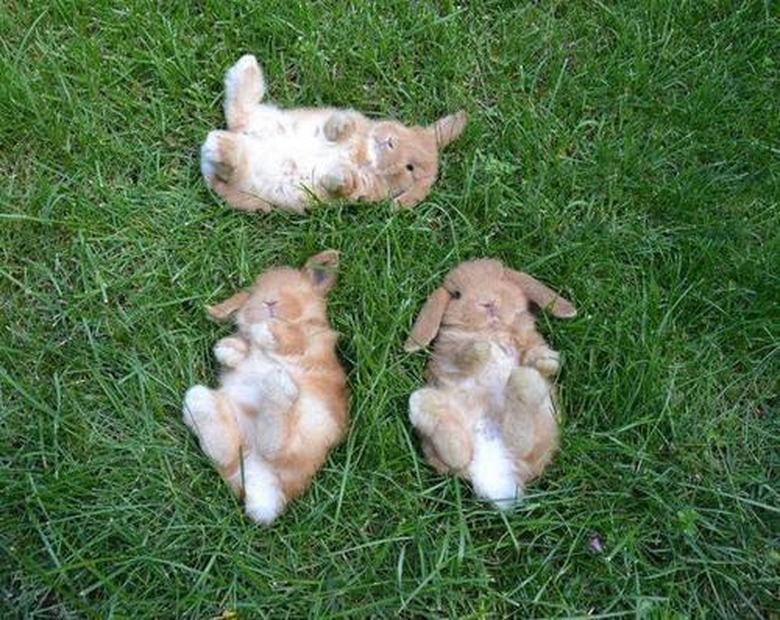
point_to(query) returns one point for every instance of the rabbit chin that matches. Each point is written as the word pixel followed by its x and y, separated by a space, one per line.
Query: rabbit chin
pixel 492 472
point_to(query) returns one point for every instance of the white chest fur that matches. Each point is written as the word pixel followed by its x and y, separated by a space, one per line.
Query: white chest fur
pixel 488 384
pixel 289 149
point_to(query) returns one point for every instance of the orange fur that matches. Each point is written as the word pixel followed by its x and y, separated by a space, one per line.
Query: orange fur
pixel 490 377
pixel 291 159
pixel 282 401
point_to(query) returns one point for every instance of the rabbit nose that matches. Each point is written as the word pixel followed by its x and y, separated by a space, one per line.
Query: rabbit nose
pixel 490 308
pixel 269 306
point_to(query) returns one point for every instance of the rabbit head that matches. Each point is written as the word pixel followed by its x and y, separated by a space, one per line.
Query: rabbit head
pixel 482 294
pixel 283 294
pixel 407 158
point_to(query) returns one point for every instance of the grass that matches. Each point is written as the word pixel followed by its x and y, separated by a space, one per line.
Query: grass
pixel 624 152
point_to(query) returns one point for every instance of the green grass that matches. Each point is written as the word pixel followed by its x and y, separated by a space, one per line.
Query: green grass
pixel 626 153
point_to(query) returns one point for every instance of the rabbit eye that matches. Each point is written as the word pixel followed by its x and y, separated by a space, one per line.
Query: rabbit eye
pixel 410 167
pixel 455 294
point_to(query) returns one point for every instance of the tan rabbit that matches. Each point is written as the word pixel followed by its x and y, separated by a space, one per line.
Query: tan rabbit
pixel 290 159
pixel 282 400
pixel 488 412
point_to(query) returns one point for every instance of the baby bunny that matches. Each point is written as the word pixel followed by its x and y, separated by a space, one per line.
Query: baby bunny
pixel 282 401
pixel 488 413
pixel 290 159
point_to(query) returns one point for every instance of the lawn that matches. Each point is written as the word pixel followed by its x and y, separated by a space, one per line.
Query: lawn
pixel 624 152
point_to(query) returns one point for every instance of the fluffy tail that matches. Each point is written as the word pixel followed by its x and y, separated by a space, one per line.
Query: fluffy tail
pixel 263 497
pixel 492 470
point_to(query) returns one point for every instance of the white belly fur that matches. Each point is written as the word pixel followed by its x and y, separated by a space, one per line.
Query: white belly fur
pixel 490 383
pixel 290 149
pixel 241 383
pixel 491 470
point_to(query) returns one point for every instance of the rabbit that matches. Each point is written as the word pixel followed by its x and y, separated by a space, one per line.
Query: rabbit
pixel 291 159
pixel 282 400
pixel 487 413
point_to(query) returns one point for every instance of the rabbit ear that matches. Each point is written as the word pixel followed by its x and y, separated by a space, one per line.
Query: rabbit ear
pixel 448 128
pixel 225 310
pixel 321 268
pixel 427 324
pixel 541 295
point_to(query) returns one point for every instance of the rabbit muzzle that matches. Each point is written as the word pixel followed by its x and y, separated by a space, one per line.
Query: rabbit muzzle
pixel 490 310
pixel 261 312
pixel 270 309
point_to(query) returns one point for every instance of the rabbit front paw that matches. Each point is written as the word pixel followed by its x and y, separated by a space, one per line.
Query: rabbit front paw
pixel 230 351
pixel 473 356
pixel 263 337
pixel 545 360
pixel 339 126
pixel 338 182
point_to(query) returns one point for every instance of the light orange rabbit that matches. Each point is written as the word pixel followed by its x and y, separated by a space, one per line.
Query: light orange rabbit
pixel 290 159
pixel 282 400
pixel 488 412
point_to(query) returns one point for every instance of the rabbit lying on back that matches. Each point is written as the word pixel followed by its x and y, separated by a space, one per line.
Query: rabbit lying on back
pixel 282 400
pixel 488 412
pixel 289 159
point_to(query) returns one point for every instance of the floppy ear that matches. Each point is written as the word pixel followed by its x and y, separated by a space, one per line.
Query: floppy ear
pixel 225 310
pixel 448 128
pixel 321 268
pixel 542 296
pixel 427 324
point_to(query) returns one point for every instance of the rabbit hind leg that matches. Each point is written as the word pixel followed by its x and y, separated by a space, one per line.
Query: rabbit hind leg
pixel 220 156
pixel 440 422
pixel 277 414
pixel 529 426
pixel 244 89
pixel 211 418
pixel 223 165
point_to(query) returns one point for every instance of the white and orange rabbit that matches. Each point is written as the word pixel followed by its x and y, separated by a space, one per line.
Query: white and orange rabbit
pixel 282 400
pixel 488 411
pixel 290 159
